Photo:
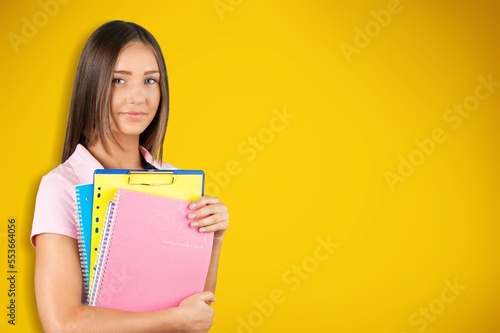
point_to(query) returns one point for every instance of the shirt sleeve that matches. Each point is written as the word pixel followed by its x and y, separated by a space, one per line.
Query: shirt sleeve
pixel 55 208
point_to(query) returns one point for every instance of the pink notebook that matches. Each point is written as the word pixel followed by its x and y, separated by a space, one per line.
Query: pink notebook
pixel 151 258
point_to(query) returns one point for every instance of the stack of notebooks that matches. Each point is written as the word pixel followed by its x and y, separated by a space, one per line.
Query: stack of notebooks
pixel 137 249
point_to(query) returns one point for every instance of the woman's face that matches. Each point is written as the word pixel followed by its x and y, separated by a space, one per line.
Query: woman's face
pixel 135 91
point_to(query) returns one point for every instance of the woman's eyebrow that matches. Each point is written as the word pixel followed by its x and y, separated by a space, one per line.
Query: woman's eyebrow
pixel 130 73
pixel 123 72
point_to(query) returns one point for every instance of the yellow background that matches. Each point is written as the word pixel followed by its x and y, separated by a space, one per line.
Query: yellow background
pixel 321 173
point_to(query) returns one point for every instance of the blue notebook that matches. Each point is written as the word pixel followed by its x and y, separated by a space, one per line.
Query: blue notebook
pixel 84 194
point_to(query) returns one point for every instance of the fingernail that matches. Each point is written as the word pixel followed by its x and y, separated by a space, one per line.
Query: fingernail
pixel 192 205
pixel 202 229
pixel 191 215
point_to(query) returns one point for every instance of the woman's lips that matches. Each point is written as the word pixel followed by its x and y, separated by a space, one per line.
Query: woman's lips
pixel 133 114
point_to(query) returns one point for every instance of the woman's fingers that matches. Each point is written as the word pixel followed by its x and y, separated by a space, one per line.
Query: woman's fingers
pixel 209 214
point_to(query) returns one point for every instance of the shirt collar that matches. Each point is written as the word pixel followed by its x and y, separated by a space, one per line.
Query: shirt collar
pixel 84 163
pixel 150 161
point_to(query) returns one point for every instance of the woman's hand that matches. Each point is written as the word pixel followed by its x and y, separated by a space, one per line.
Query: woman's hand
pixel 209 215
pixel 197 313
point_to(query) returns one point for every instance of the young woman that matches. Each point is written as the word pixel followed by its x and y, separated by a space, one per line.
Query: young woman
pixel 118 118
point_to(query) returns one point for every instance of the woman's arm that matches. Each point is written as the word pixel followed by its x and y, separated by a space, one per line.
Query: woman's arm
pixel 211 215
pixel 211 281
pixel 58 285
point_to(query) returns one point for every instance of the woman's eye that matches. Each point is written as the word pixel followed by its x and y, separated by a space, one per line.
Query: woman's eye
pixel 118 81
pixel 150 81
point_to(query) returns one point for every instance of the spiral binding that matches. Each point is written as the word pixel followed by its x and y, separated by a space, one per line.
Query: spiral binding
pixel 102 258
pixel 82 242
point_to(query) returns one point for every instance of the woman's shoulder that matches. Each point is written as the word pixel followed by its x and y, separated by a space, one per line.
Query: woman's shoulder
pixel 55 203
pixel 77 169
pixel 63 172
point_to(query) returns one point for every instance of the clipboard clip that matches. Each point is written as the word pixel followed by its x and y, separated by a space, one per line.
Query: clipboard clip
pixel 141 177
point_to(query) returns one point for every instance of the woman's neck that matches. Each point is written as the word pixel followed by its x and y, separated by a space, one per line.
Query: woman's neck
pixel 126 157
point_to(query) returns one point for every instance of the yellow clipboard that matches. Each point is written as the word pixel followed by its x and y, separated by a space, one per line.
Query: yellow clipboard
pixel 177 184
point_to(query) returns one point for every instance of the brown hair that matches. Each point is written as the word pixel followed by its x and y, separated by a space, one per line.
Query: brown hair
pixel 88 118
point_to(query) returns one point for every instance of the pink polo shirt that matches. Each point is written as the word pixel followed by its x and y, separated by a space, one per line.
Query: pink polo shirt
pixel 55 208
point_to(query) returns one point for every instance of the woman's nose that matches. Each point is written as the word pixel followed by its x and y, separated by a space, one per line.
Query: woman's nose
pixel 136 94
